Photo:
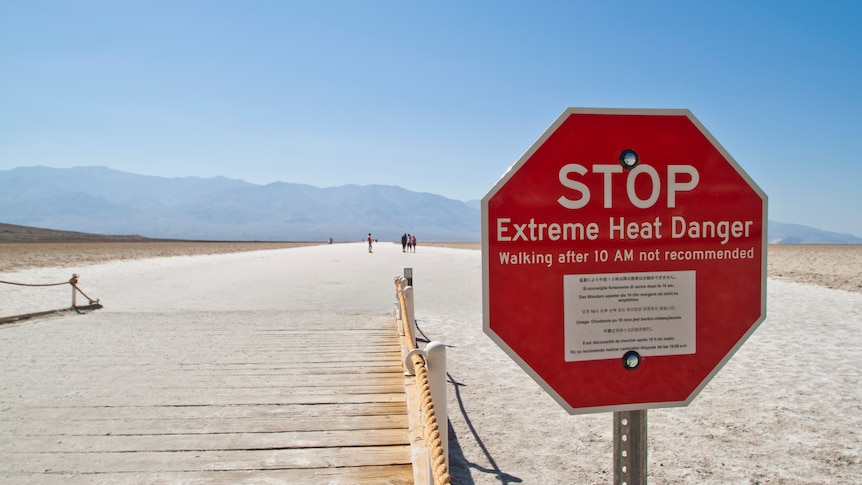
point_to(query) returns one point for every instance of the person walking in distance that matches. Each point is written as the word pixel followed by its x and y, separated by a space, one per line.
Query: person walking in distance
pixel 369 242
pixel 404 243
pixel 413 242
pixel 409 243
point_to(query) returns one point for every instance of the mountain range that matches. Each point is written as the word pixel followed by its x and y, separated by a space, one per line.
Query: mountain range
pixel 100 200
pixel 105 201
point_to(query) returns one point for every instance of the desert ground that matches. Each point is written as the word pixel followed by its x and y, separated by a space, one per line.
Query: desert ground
pixel 23 247
pixel 836 266
pixel 784 410
pixel 16 256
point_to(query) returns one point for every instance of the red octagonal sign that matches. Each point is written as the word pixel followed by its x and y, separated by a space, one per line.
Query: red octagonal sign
pixel 624 259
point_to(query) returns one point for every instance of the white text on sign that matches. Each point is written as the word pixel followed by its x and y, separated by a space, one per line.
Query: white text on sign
pixel 673 180
pixel 621 228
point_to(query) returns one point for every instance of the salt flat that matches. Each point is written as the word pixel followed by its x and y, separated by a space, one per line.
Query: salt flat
pixel 785 409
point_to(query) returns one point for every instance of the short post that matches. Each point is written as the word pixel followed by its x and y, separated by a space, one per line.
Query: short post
pixel 408 275
pixel 630 447
pixel 398 326
pixel 72 283
pixel 408 297
pixel 435 359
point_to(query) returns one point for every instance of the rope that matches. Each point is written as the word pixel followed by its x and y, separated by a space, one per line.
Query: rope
pixel 439 470
pixel 85 295
pixel 32 284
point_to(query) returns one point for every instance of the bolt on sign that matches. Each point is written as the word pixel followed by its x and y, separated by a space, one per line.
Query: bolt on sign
pixel 624 259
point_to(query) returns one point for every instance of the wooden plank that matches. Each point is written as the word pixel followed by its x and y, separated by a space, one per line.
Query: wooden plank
pixel 167 427
pixel 188 399
pixel 206 442
pixel 226 412
pixel 363 475
pixel 377 384
pixel 205 460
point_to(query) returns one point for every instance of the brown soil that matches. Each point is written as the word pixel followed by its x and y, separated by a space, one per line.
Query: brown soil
pixel 837 266
pixel 17 256
pixel 11 233
pixel 28 247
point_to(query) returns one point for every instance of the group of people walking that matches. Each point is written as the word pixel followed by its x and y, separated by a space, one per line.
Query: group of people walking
pixel 408 243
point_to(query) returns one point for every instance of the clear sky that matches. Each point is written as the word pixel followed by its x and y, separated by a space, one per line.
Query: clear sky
pixel 437 97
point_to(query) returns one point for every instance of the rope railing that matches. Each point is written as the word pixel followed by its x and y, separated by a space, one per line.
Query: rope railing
pixel 34 284
pixel 73 282
pixel 417 366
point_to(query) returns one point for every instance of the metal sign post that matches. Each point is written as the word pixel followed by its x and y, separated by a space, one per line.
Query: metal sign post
pixel 630 447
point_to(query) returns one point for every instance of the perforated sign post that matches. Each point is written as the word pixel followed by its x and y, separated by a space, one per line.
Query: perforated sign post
pixel 624 259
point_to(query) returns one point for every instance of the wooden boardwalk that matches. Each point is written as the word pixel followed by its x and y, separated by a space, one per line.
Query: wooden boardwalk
pixel 203 397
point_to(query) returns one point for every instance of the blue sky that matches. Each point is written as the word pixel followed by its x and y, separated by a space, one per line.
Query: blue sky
pixel 437 97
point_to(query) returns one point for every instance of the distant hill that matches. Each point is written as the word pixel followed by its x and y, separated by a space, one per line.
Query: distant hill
pixel 782 233
pixel 23 234
pixel 99 200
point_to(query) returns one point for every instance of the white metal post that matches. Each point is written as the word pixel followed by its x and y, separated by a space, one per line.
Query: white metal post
pixel 398 326
pixel 408 296
pixel 435 359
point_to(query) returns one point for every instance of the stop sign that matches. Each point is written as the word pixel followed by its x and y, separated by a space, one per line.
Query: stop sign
pixel 624 259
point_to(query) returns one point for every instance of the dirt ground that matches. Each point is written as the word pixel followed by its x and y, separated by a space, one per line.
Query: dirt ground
pixel 18 256
pixel 24 247
pixel 836 266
